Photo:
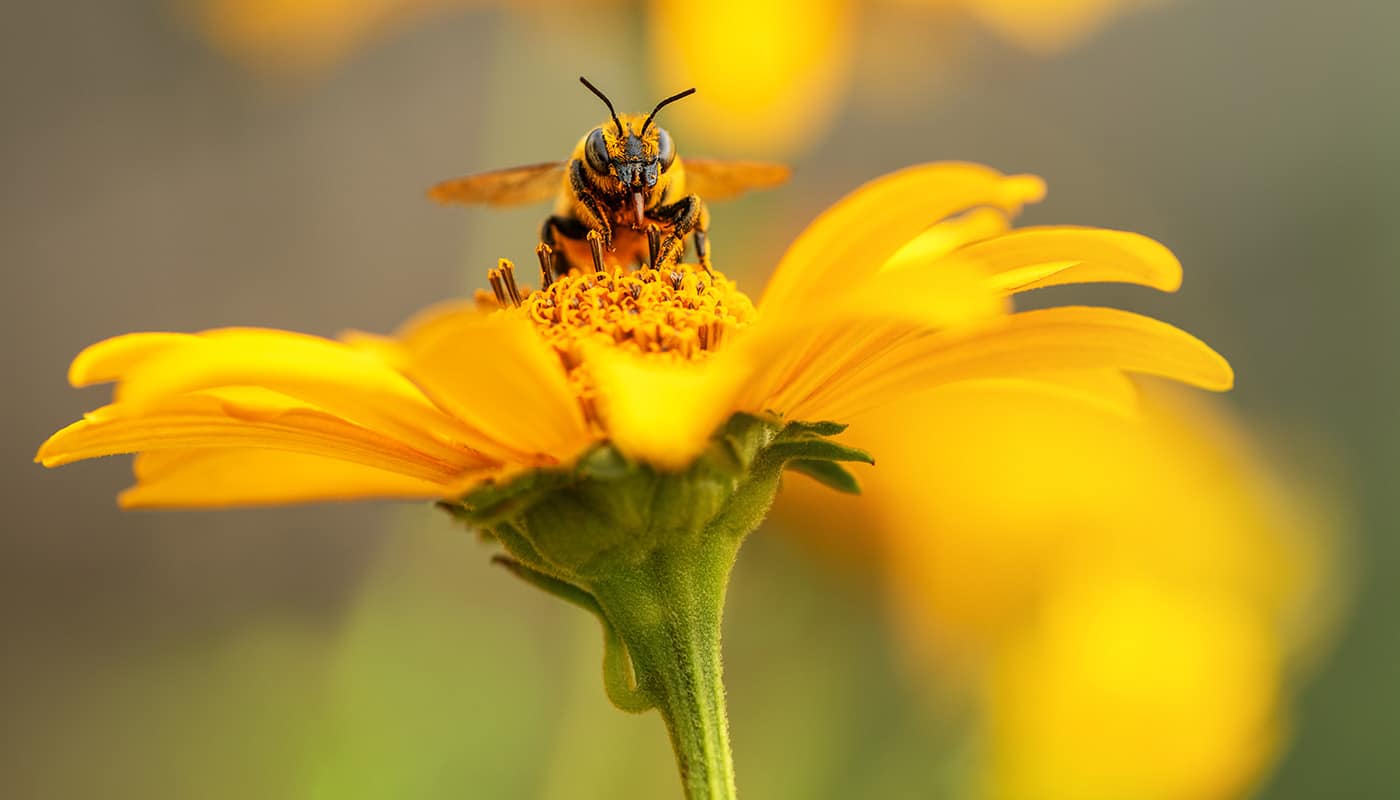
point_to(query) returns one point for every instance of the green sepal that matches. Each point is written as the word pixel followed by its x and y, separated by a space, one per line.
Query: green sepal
pixel 736 445
pixel 560 589
pixel 803 430
pixel 814 449
pixel 576 522
pixel 491 503
pixel 726 455
pixel 827 473
pixel 604 463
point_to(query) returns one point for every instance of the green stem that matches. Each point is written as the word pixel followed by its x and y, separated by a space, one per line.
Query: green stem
pixel 668 611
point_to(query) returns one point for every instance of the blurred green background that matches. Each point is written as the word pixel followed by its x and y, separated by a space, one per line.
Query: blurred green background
pixel 371 651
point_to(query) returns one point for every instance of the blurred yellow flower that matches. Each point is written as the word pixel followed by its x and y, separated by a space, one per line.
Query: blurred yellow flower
pixel 1041 25
pixel 291 34
pixel 1127 595
pixel 869 303
pixel 772 75
pixel 1125 687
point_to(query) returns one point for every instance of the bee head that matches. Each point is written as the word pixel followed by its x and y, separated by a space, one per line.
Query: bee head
pixel 635 155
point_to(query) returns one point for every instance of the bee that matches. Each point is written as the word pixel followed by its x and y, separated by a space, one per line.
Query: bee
pixel 622 196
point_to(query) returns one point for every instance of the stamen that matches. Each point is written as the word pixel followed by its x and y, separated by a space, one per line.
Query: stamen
pixel 545 254
pixel 508 278
pixel 497 286
pixel 595 243
pixel 677 314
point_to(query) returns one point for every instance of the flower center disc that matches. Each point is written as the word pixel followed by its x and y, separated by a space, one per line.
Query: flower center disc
pixel 681 312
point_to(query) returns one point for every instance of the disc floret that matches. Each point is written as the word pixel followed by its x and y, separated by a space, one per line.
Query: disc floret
pixel 680 311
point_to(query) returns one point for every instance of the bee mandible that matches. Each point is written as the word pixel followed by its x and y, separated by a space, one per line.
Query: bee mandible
pixel 623 196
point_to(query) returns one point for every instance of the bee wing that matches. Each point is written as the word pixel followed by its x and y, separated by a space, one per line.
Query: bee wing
pixel 504 187
pixel 713 179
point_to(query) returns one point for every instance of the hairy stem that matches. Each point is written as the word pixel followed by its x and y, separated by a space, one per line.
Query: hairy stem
pixel 668 612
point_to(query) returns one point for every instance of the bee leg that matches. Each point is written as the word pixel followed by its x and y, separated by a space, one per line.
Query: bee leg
pixel 654 244
pixel 684 216
pixel 702 249
pixel 590 210
pixel 702 239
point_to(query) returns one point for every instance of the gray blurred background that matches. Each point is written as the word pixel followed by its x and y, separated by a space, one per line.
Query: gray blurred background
pixel 149 183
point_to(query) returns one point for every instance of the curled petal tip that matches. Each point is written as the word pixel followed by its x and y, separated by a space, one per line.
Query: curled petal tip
pixel 1227 377
pixel 1214 373
pixel 1025 188
pixel 49 454
pixel 109 359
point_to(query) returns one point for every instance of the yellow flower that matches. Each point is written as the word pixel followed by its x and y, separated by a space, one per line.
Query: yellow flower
pixel 868 304
pixel 1128 596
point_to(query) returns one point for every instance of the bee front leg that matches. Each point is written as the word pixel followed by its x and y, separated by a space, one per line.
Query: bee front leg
pixel 702 240
pixel 684 217
pixel 590 209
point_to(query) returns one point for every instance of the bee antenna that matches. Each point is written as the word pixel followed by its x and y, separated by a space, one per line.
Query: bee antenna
pixel 606 101
pixel 673 98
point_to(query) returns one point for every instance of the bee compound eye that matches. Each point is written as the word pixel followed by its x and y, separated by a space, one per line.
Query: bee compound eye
pixel 595 152
pixel 665 149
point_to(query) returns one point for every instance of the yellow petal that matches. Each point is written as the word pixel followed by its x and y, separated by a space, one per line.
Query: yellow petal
pixel 330 376
pixel 947 236
pixel 224 477
pixel 1030 258
pixel 659 412
pixel 253 419
pixel 853 239
pixel 957 294
pixel 793 364
pixel 495 373
pixel 424 326
pixel 952 295
pixel 794 357
pixel 1028 343
pixel 1106 389
pixel 244 356
pixel 427 324
pixel 110 359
